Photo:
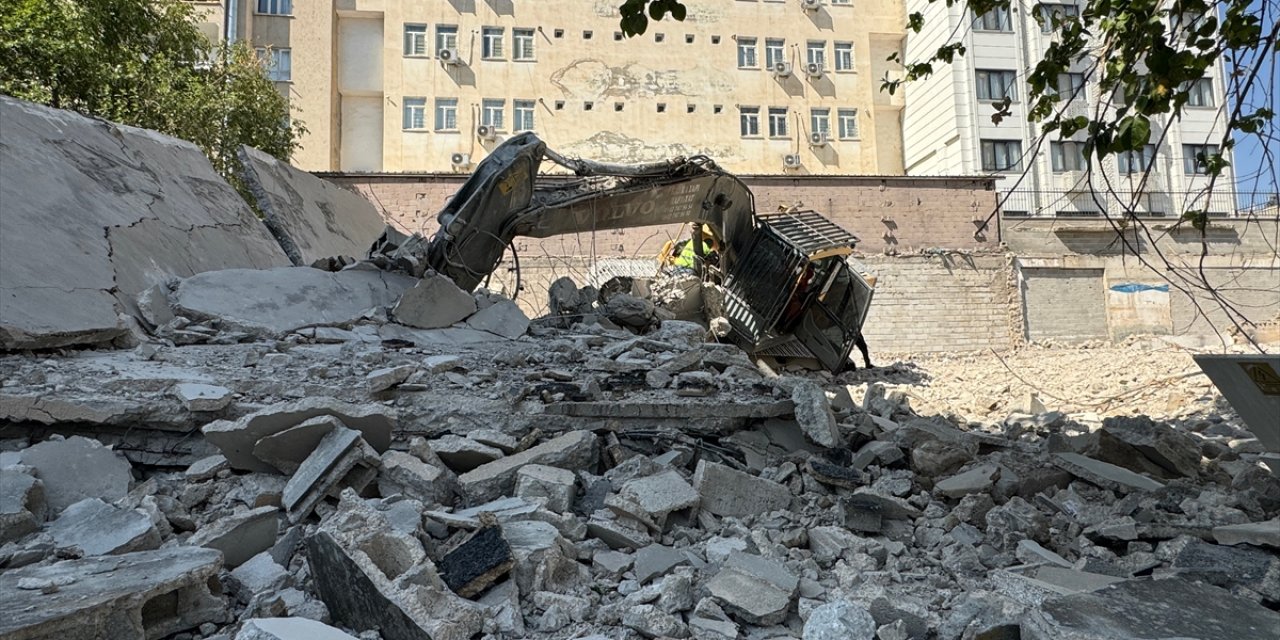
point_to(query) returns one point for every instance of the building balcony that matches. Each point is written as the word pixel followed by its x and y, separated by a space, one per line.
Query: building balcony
pixel 1081 202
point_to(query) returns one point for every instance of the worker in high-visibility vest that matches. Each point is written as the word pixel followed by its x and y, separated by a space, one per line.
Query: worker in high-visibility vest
pixel 688 257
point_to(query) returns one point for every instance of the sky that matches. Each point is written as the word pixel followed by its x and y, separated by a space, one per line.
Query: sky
pixel 1254 171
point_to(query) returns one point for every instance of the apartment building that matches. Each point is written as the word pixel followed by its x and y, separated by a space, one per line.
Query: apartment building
pixel 763 86
pixel 947 125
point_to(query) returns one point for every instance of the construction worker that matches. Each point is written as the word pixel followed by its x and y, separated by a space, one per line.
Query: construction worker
pixel 688 257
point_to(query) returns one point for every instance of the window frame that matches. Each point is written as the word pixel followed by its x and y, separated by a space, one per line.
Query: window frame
pixel 492 40
pixel 820 120
pixel 491 106
pixel 273 8
pixel 419 37
pixel 1203 89
pixel 270 58
pixel 1124 160
pixel 444 106
pixel 843 47
pixel 751 116
pixel 1062 162
pixel 770 49
pixel 408 103
pixel 778 117
pixel 816 51
pixel 1004 145
pixel 1045 11
pixel 1071 93
pixel 525 108
pixel 446 37
pixel 847 123
pixel 1190 165
pixel 747 49
pixel 527 35
pixel 981 86
pixel 1005 25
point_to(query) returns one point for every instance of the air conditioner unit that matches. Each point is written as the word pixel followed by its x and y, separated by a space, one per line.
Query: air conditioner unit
pixel 460 160
pixel 818 139
pixel 811 5
pixel 781 69
pixel 813 69
pixel 791 161
pixel 486 132
pixel 449 56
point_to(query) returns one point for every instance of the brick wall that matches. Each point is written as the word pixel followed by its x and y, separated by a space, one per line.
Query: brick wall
pixel 1067 304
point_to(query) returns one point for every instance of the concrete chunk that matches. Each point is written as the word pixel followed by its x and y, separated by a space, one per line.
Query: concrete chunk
pixel 286 450
pixel 380 380
pixel 1263 534
pixel 575 450
pixel 259 574
pixel 503 318
pixel 813 412
pixel 105 597
pixel 755 590
pixel 1104 474
pixel 434 302
pixel 290 629
pixel 405 474
pixel 237 439
pixel 342 460
pixel 240 536
pixel 100 529
pixel 727 492
pixel 202 397
pixel 841 620
pixel 979 479
pixel 656 560
pixel 556 486
pixel 463 454
pixel 22 504
pixel 657 496
pixel 78 468
pixel 310 217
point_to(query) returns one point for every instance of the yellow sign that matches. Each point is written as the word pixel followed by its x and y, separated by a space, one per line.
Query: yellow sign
pixel 1263 375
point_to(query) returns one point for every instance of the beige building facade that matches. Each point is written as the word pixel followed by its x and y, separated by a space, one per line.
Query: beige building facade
pixel 764 87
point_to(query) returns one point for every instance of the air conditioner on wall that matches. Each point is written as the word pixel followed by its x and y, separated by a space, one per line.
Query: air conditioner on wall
pixel 810 5
pixel 460 160
pixel 486 132
pixel 781 69
pixel 813 69
pixel 791 161
pixel 449 56
pixel 818 139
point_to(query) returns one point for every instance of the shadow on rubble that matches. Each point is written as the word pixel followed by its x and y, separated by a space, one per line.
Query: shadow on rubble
pixel 895 373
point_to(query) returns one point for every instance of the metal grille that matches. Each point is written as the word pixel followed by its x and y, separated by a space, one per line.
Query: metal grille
pixel 762 282
pixel 788 349
pixel 809 232
pixel 605 269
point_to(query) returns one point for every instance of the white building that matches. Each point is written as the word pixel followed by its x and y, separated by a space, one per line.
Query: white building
pixel 947 125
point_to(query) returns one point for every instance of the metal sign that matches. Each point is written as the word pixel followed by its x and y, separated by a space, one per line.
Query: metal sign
pixel 1264 376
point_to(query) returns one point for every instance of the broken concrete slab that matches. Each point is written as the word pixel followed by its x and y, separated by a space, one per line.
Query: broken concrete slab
pixel 1228 567
pixel 1262 534
pixel 78 468
pixel 555 486
pixel 504 318
pixel 290 629
pixel 240 536
pixel 754 589
pixel 286 450
pixel 658 497
pixel 840 620
pixel 90 224
pixel 259 574
pixel 342 460
pixel 405 474
pixel 106 597
pixel 1161 448
pixel 380 380
pixel 655 560
pixel 813 412
pixel 725 491
pixel 463 454
pixel 979 479
pixel 99 529
pixel 1104 474
pixel 1150 609
pixel 202 397
pixel 276 302
pixel 237 439
pixel 1031 585
pixel 544 560
pixel 434 302
pixel 22 503
pixel 310 217
pixel 575 450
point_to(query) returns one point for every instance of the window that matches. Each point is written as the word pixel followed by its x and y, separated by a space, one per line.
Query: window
pixel 1195 158
pixel 558 33
pixel 586 35
pixel 848 124
pixel 1001 155
pixel 415 39
pixel 690 108
pixel 662 107
pixel 994 84
pixel 749 121
pixel 715 39
pixel 275 7
pixel 774 51
pixel 492 112
pixel 446 114
pixel 659 37
pixel 1052 15
pixel 1071 86
pixel 446 37
pixel 278 64
pixel 996 19
pixel 522 115
pixel 845 2
pixel 844 56
pixel 747 53
pixel 588 105
pixel 777 122
pixel 1200 93
pixel 415 114
pixel 617 106
pixel 1067 156
pixel 820 121
pixel 522 44
pixel 1130 162
pixel 491 42
pixel 688 38
pixel 816 52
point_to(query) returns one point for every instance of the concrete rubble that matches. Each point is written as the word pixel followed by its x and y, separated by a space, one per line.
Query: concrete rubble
pixel 293 453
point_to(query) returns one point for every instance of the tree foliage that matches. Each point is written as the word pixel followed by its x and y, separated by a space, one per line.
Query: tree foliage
pixel 146 64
